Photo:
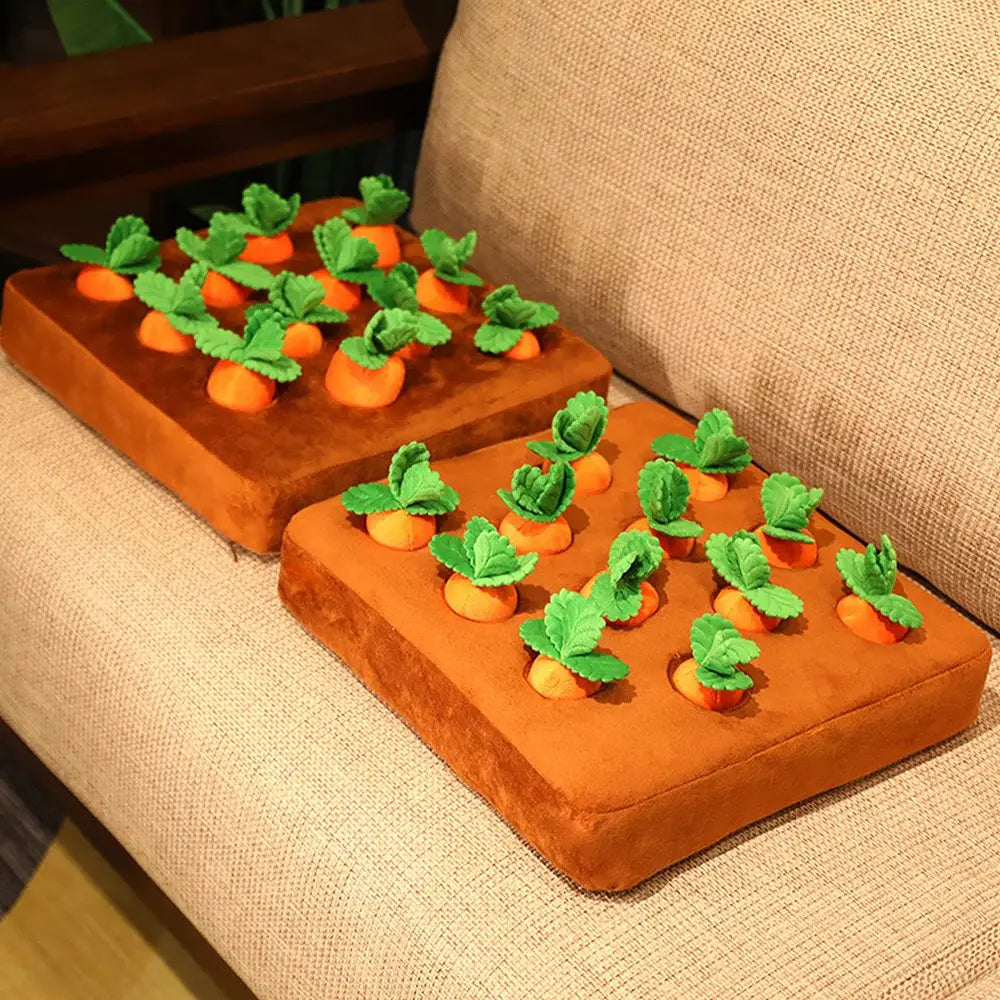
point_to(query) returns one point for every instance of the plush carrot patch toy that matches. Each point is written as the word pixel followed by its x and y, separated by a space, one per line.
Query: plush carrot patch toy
pixel 229 280
pixel 402 514
pixel 485 567
pixel 623 593
pixel 751 601
pixel 128 250
pixel 348 263
pixel 396 289
pixel 568 665
pixel 537 500
pixel 249 366
pixel 176 310
pixel 873 611
pixel 374 220
pixel 510 320
pixel 577 430
pixel 264 221
pixel 296 302
pixel 787 506
pixel 365 371
pixel 445 287
pixel 710 458
pixel 710 676
pixel 663 495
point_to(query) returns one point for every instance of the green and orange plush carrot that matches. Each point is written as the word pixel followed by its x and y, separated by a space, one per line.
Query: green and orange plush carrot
pixel 537 500
pixel 176 310
pixel 787 506
pixel 245 376
pixel 444 287
pixel 396 289
pixel 568 665
pixel 374 220
pixel 622 593
pixel 229 280
pixel 402 513
pixel 708 460
pixel 577 430
pixel 509 322
pixel 663 496
pixel 751 602
pixel 366 371
pixel 348 264
pixel 264 221
pixel 873 611
pixel 129 250
pixel 484 570
pixel 711 677
pixel 295 301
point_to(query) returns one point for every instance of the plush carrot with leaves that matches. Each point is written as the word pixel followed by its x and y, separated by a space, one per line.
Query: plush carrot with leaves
pixel 176 310
pixel 402 513
pixel 787 506
pixel 485 568
pixel 374 220
pixel 444 288
pixel 348 263
pixel 751 601
pixel 537 500
pixel 366 371
pixel 709 459
pixel 568 665
pixel 396 289
pixel 623 593
pixel 663 495
pixel 509 322
pixel 128 250
pixel 873 611
pixel 711 677
pixel 577 430
pixel 244 377
pixel 264 221
pixel 296 302
pixel 229 280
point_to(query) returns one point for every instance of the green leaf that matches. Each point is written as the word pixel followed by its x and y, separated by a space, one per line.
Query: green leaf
pixel 787 506
pixel 546 450
pixel 600 667
pixel 534 636
pixel 395 289
pixel 86 26
pixel 717 645
pixel 493 339
pixel 572 623
pixel 729 679
pixel 489 559
pixel 406 457
pixel 431 332
pixel 617 601
pixel 364 354
pixel 505 307
pixel 423 491
pixel 774 601
pixel 223 244
pixel 389 330
pixel 540 496
pixel 156 291
pixel 719 449
pixel 369 498
pixel 383 202
pixel 450 552
pixel 663 495
pixel 448 256
pixel 124 227
pixel 677 448
pixel 189 299
pixel 263 339
pixel 295 296
pixel 84 253
pixel 266 212
pixel 738 559
pixel 897 609
pixel 217 342
pixel 180 302
pixel 350 258
pixel 247 274
pixel 577 428
pixel 870 573
pixel 633 557
pixel 462 278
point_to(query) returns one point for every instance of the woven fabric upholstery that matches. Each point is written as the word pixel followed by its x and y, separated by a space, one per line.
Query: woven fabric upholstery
pixel 329 855
pixel 785 208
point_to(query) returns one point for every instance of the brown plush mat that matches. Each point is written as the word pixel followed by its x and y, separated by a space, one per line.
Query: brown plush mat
pixel 621 785
pixel 245 474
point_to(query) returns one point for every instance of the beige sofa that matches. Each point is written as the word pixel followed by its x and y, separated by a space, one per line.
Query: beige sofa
pixel 785 208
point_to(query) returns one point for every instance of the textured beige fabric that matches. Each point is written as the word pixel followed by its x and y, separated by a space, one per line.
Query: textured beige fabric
pixel 330 856
pixel 786 208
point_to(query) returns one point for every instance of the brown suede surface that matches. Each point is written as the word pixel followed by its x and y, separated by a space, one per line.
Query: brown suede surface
pixel 247 474
pixel 616 787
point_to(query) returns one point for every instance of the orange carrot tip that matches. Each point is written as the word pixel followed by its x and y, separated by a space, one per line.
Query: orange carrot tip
pixel 567 635
pixel 401 512
pixel 345 257
pixel 485 568
pixel 229 279
pixel 577 430
pixel 396 289
pixel 537 500
pixel 445 287
pixel 871 576
pixel 128 250
pixel 710 457
pixel 509 322
pixel 621 593
pixel 664 493
pixel 787 506
pixel 382 203
pixel 711 677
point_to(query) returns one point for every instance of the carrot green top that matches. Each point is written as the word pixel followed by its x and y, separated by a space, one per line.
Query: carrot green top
pixel 265 212
pixel 387 331
pixel 540 496
pixel 663 495
pixel 259 349
pixel 448 257
pixel 577 429
pixel 738 559
pixel 508 316
pixel 718 649
pixel 220 251
pixel 715 447
pixel 872 575
pixel 345 256
pixel 396 289
pixel 129 248
pixel 413 486
pixel 568 632
pixel 383 202
pixel 180 301
pixel 297 298
pixel 788 505
pixel 633 556
pixel 483 556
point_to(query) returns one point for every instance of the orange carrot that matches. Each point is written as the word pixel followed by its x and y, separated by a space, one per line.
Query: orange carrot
pixel 349 383
pixel 103 285
pixel 546 538
pixel 783 553
pixel 593 473
pixel 413 350
pixel 268 249
pixel 302 340
pixel 238 388
pixel 673 548
pixel 480 604
pixel 221 292
pixel 158 333
pixel 441 296
pixel 385 240
pixel 867 623
pixel 396 529
pixel 650 603
pixel 525 349
pixel 685 683
pixel 705 486
pixel 730 603
pixel 342 295
pixel 552 680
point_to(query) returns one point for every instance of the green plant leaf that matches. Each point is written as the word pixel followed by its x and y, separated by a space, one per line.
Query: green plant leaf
pixel 719 449
pixel 406 457
pixel 295 295
pixel 897 608
pixel 872 576
pixel 84 253
pixel 774 601
pixel 577 429
pixel 462 278
pixel 663 495
pixel 493 339
pixel 505 307
pixel 180 301
pixel 535 637
pixel 633 557
pixel 600 667
pixel 395 289
pixel 723 680
pixel 787 506
pixel 218 342
pixel 677 448
pixel 540 496
pixel 448 256
pixel 129 248
pixel 156 291
pixel 450 552
pixel 347 257
pixel 383 202
pixel 431 332
pixel 369 498
pixel 418 489
pixel 738 559
pixel 247 274
pixel 616 601
pixel 363 354
pixel 265 212
pixel 483 555
pixel 263 339
pixel 86 26
pixel 224 243
pixel 718 647
pixel 573 624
